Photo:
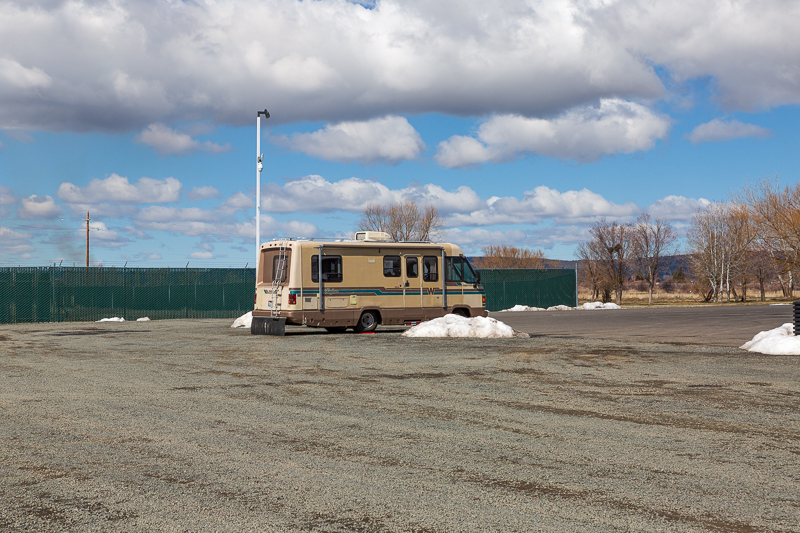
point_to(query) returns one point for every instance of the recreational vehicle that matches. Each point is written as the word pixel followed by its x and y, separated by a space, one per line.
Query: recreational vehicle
pixel 362 283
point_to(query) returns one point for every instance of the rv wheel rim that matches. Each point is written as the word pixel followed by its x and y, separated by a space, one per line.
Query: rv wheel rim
pixel 367 320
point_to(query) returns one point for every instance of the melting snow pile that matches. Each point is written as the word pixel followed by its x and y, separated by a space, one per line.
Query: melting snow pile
pixel 600 305
pixel 459 326
pixel 114 319
pixel 588 305
pixel 778 341
pixel 243 321
pixel 519 307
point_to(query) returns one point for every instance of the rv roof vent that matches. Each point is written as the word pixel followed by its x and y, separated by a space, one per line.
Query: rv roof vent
pixel 373 236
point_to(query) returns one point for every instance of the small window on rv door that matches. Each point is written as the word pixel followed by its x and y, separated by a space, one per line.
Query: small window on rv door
pixel 430 268
pixel 391 266
pixel 331 268
pixel 412 267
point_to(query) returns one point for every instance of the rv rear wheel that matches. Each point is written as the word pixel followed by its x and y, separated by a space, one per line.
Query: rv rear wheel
pixel 461 312
pixel 368 322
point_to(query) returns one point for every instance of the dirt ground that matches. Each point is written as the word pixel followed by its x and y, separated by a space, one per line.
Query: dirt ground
pixel 189 425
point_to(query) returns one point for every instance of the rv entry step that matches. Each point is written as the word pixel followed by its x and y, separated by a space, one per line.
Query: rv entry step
pixel 268 326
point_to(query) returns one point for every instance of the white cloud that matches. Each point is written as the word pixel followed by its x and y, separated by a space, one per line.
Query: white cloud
pixel 15 77
pixel 117 189
pixel 389 139
pixel 581 134
pixel 238 201
pixel 722 130
pixel 166 141
pixel 10 236
pixel 162 214
pixel 676 208
pixel 544 203
pixel 201 255
pixel 7 196
pixel 315 194
pixel 201 193
pixel 36 207
pixel 20 136
pixel 747 49
pixel 102 236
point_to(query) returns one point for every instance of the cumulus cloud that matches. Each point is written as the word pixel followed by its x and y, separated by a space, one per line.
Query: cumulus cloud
pixel 109 66
pixel 201 255
pixel 38 207
pixel 676 208
pixel 544 203
pixel 581 134
pixel 117 189
pixel 315 194
pixel 124 65
pixel 7 198
pixel 102 236
pixel 14 242
pixel 238 201
pixel 201 193
pixel 389 139
pixel 725 130
pixel 166 141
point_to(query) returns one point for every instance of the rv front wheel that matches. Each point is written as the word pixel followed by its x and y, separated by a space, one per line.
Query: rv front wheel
pixel 368 322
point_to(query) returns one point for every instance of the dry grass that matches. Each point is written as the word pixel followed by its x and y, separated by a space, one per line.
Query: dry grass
pixel 634 298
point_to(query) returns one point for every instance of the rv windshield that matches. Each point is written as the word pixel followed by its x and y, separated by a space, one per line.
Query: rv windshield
pixel 459 269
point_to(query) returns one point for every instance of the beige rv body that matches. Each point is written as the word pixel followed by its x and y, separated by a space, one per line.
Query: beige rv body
pixel 362 282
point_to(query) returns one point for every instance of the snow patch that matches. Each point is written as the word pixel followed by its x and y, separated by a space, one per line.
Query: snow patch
pixel 519 307
pixel 243 321
pixel 778 341
pixel 587 305
pixel 459 326
pixel 113 319
pixel 143 319
pixel 600 305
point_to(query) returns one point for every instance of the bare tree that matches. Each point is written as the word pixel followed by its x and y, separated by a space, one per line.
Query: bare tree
pixel 502 256
pixel 590 273
pixel 652 239
pixel 776 212
pixel 404 221
pixel 610 249
pixel 719 238
pixel 762 268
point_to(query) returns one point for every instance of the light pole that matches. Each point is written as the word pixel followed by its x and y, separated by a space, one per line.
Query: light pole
pixel 259 168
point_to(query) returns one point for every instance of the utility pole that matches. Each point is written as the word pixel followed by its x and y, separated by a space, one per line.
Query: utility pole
pixel 259 168
pixel 87 238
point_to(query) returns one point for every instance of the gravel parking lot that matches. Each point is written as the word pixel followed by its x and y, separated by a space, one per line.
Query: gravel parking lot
pixel 188 425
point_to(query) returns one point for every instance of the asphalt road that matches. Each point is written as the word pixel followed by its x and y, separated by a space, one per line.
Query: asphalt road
pixel 707 325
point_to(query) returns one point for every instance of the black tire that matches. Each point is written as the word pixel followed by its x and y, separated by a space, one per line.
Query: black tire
pixel 461 312
pixel 368 322
pixel 336 329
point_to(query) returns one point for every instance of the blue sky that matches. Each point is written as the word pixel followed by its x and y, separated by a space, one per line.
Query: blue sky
pixel 523 123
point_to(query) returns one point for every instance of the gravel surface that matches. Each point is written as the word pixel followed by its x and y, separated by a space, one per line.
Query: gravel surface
pixel 189 425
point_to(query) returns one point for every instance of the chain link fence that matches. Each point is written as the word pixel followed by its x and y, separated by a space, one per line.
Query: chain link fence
pixel 58 294
pixel 546 287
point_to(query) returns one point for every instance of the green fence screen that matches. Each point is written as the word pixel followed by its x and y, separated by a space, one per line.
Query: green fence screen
pixel 56 294
pixel 507 287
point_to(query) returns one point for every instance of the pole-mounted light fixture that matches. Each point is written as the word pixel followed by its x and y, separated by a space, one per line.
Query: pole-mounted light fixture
pixel 259 168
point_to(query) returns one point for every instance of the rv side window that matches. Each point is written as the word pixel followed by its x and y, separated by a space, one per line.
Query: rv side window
pixel 331 268
pixel 430 268
pixel 279 268
pixel 391 266
pixel 412 268
pixel 459 269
